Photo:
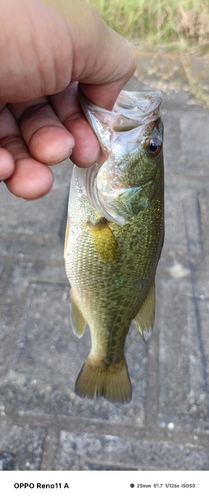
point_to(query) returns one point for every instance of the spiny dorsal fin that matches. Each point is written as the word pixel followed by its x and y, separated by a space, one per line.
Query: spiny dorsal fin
pixel 104 240
pixel 77 319
pixel 145 317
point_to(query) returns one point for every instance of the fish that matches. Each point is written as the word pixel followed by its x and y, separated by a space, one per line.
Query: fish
pixel 114 237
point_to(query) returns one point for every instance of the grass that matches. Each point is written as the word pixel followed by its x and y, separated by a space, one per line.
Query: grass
pixel 175 23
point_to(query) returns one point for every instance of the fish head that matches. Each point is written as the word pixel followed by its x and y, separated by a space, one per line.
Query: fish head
pixel 131 138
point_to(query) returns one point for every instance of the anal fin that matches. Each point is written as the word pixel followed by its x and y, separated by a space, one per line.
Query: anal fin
pixel 77 318
pixel 145 317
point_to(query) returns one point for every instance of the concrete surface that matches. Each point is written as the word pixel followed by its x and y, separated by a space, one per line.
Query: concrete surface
pixel 43 425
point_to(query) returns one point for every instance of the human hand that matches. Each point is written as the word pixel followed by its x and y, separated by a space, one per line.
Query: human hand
pixel 45 50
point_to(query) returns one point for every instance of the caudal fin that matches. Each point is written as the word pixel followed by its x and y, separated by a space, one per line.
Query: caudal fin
pixel 98 379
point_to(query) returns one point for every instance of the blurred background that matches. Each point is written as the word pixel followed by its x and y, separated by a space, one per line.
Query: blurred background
pixel 179 24
pixel 171 32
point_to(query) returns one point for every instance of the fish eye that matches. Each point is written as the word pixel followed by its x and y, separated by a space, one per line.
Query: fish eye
pixel 153 147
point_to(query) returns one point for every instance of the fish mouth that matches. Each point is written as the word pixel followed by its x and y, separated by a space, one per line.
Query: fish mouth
pixel 131 109
pixel 139 108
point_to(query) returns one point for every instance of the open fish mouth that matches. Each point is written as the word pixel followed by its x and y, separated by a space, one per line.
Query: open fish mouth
pixel 130 110
pixel 139 108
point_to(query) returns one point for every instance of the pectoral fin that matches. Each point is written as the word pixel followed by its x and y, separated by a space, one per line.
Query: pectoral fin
pixel 145 317
pixel 104 241
pixel 78 321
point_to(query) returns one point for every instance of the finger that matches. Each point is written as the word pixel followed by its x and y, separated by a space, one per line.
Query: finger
pixel 28 178
pixel 46 137
pixel 68 109
pixel 102 59
pixel 35 49
pixel 72 43
pixel 7 164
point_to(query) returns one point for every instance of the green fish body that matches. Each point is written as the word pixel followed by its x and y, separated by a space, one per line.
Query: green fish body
pixel 114 238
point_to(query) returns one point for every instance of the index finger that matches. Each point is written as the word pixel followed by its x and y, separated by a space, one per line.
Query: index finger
pixel 67 108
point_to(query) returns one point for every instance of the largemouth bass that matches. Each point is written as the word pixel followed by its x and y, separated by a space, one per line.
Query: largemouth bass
pixel 114 238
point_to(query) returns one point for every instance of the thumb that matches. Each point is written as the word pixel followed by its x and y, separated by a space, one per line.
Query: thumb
pixel 103 61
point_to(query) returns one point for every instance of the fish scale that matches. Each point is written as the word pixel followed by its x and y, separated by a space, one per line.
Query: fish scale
pixel 114 239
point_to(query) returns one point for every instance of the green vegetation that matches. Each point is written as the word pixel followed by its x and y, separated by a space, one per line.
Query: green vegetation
pixel 183 23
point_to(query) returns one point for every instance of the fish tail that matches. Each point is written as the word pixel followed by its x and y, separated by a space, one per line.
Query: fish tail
pixel 111 381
